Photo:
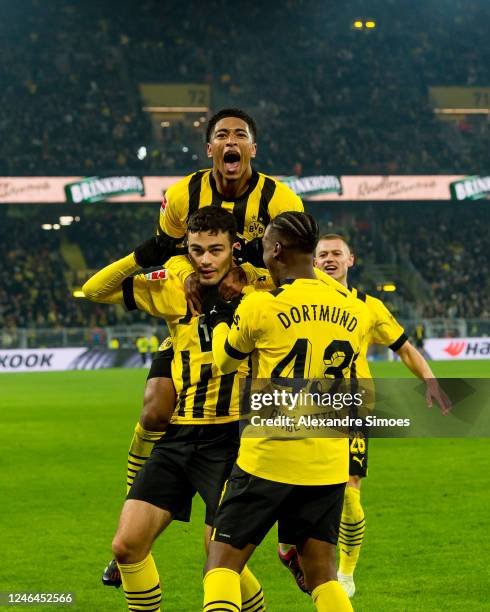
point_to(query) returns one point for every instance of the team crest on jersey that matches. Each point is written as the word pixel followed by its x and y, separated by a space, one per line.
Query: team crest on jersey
pixel 164 205
pixel 166 344
pixel 256 228
pixel 157 275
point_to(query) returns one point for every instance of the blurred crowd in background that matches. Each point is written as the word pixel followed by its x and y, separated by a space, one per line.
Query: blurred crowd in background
pixel 439 246
pixel 327 98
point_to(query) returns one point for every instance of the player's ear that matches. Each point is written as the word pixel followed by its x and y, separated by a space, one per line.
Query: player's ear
pixel 277 250
pixel 209 150
pixel 351 260
pixel 253 150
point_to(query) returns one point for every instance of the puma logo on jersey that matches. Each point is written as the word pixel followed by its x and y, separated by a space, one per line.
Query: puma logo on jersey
pixel 157 275
pixel 359 460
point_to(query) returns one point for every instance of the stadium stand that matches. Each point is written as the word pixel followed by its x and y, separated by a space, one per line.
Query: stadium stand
pixel 361 107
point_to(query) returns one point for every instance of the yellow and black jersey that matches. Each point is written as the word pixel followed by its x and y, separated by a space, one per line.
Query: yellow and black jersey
pixel 204 394
pixel 303 329
pixel 384 330
pixel 264 199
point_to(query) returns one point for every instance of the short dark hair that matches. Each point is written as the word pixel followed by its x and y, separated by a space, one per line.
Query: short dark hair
pixel 213 219
pixel 336 237
pixel 231 112
pixel 299 228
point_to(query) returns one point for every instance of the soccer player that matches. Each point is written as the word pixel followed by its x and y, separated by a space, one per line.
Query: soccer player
pixel 200 445
pixel 334 256
pixel 303 329
pixel 253 198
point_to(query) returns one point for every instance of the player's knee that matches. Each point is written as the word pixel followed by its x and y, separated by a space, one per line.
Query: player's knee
pixel 316 574
pixel 318 564
pixel 158 405
pixel 126 550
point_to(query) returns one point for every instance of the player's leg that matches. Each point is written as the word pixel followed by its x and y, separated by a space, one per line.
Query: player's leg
pixel 158 408
pixel 222 582
pixel 353 523
pixel 234 539
pixel 209 471
pixel 319 564
pixel 311 519
pixel 160 493
pixel 139 526
pixel 251 592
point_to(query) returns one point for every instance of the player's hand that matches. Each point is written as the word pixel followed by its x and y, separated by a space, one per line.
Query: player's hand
pixel 155 251
pixel 433 391
pixel 251 252
pixel 232 284
pixel 192 290
pixel 216 309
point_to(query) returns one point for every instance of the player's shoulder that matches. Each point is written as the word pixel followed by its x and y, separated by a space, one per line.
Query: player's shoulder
pixel 255 303
pixel 376 306
pixel 281 189
pixel 180 189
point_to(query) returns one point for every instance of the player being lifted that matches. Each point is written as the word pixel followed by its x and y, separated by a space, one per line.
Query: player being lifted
pixel 200 445
pixel 254 199
pixel 334 256
pixel 298 482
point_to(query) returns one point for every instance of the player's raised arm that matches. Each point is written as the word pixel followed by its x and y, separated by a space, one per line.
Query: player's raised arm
pixel 153 293
pixel 105 286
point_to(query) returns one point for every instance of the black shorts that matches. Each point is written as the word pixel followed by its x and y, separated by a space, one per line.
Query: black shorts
pixel 251 505
pixel 358 453
pixel 188 458
pixel 161 365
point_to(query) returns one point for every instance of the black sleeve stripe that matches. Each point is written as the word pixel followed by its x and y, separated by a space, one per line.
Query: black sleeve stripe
pixel 233 353
pixel 397 345
pixel 361 295
pixel 268 190
pixel 128 294
pixel 194 192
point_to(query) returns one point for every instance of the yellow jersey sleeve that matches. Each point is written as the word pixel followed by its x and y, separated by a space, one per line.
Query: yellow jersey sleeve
pixel 180 266
pixel 174 210
pixel 386 329
pixel 105 286
pixel 284 200
pixel 158 293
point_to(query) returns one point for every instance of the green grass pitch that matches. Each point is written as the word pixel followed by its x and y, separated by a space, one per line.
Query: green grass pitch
pixel 64 439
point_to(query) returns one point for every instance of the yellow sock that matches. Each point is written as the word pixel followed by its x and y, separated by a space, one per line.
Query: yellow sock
pixel 352 526
pixel 141 585
pixel 141 446
pixel 222 591
pixel 331 597
pixel 251 592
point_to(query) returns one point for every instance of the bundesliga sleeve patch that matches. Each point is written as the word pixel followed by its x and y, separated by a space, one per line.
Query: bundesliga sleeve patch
pixel 164 205
pixel 157 275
